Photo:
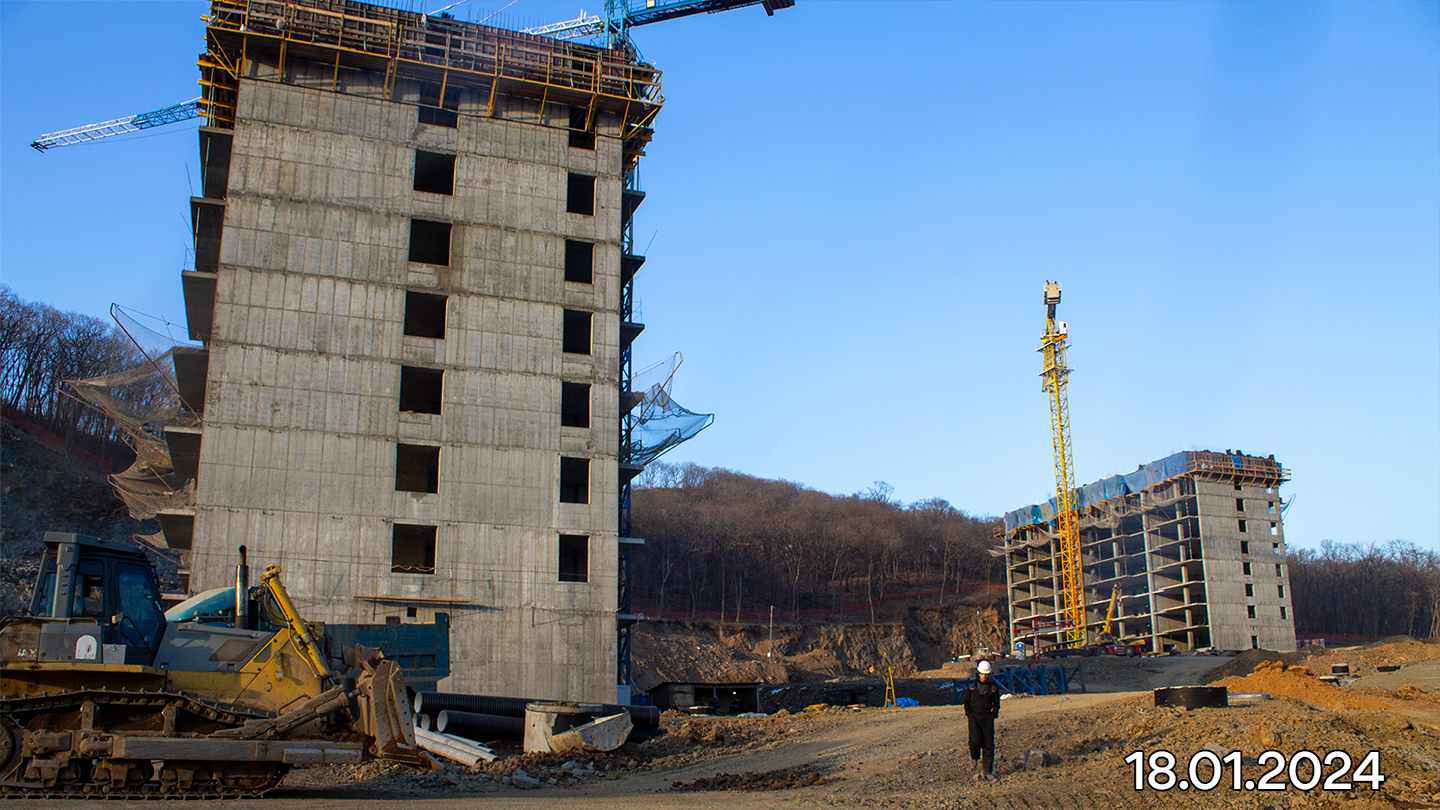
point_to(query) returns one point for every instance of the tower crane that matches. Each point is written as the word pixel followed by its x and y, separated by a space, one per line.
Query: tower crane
pixel 1055 379
pixel 620 17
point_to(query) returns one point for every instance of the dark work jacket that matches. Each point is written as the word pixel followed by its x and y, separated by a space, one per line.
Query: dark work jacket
pixel 982 699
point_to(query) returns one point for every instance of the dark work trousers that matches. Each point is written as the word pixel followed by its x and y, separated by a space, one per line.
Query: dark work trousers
pixel 982 738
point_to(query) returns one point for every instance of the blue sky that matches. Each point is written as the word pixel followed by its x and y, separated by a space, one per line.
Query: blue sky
pixel 853 206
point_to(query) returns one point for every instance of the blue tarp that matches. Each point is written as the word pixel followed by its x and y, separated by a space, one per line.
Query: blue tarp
pixel 1106 488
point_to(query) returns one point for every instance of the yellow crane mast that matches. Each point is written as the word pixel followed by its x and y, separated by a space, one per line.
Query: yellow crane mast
pixel 1055 377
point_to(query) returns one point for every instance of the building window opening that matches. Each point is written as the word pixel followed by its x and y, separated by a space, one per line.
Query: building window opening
pixel 579 261
pixel 1250 611
pixel 1249 589
pixel 1245 568
pixel 1242 525
pixel 432 111
pixel 1280 590
pixel 1254 643
pixel 576 339
pixel 424 314
pixel 417 468
pixel 574 480
pixel 412 612
pixel 1277 570
pixel 434 172
pixel 1274 529
pixel 1239 504
pixel 580 194
pixel 574 558
pixel 1282 612
pixel 1244 547
pixel 412 551
pixel 575 404
pixel 580 135
pixel 421 389
pixel 430 242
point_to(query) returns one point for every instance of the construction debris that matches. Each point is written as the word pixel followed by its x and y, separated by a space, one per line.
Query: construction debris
pixel 453 748
pixel 566 727
pixel 600 735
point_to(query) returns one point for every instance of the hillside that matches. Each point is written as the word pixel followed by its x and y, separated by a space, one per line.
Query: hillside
pixel 44 487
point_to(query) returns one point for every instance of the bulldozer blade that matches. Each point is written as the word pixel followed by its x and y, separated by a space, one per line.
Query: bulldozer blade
pixel 384 714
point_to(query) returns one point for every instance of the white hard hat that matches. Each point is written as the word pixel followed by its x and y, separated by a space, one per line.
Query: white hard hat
pixel 984 667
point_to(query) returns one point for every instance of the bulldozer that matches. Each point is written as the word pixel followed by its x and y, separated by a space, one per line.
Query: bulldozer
pixel 102 696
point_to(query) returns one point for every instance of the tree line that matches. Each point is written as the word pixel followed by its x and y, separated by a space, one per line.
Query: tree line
pixel 42 347
pixel 721 544
pixel 1351 589
pixel 724 544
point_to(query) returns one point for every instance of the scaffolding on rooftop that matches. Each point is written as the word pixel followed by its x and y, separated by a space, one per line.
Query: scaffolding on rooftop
pixel 408 45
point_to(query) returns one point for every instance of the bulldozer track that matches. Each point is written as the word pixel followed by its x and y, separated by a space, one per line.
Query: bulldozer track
pixel 217 712
pixel 177 780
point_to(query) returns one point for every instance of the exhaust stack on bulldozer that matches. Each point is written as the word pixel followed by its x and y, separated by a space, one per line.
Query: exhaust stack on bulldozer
pixel 103 696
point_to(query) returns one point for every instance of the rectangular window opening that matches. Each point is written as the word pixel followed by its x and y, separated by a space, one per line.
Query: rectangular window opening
pixel 1278 571
pixel 575 404
pixel 1280 591
pixel 576 339
pixel 579 261
pixel 1242 525
pixel 1249 589
pixel 417 468
pixel 1274 529
pixel 1239 504
pixel 580 194
pixel 574 558
pixel 424 314
pixel 1282 612
pixel 434 172
pixel 1254 643
pixel 421 389
pixel 580 135
pixel 430 242
pixel 1250 611
pixel 412 551
pixel 1245 568
pixel 1237 486
pixel 574 480
pixel 431 111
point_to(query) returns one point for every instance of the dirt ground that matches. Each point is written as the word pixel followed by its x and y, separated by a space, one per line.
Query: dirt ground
pixel 918 758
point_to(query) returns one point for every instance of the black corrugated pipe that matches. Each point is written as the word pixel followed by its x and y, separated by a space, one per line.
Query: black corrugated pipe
pixel 479 727
pixel 432 703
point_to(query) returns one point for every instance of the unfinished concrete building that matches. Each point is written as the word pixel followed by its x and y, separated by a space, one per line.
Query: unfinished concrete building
pixel 413 283
pixel 1194 542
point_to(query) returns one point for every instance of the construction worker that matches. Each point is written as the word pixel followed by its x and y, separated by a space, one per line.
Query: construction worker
pixel 982 706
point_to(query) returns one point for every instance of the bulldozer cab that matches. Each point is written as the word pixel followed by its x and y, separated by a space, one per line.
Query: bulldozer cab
pixel 88 579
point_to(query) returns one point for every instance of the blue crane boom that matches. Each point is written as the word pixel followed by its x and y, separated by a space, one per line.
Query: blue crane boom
pixel 622 15
pixel 175 113
pixel 655 11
